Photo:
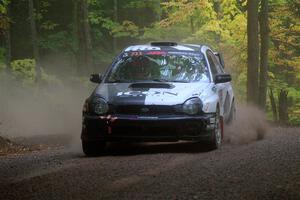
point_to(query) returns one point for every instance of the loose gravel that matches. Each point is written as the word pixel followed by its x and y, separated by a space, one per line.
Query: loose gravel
pixel 265 169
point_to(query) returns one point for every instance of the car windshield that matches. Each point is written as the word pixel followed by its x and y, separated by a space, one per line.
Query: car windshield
pixel 159 66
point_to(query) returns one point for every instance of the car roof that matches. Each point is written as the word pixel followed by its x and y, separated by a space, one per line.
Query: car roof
pixel 164 46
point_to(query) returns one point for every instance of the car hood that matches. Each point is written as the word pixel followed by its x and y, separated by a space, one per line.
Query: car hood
pixel 153 94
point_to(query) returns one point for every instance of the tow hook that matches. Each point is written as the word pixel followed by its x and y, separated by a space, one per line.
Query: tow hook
pixel 109 121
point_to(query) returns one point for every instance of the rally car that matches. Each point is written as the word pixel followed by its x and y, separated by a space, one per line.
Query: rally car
pixel 162 91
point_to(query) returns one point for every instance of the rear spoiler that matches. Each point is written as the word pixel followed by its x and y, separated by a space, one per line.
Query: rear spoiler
pixel 220 58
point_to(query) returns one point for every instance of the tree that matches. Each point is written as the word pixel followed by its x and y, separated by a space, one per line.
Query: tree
pixel 252 52
pixel 84 54
pixel 34 39
pixel 75 33
pixel 264 52
pixel 283 107
pixel 116 20
pixel 273 105
pixel 8 42
pixel 158 10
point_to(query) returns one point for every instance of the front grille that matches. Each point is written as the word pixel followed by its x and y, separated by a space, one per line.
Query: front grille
pixel 158 128
pixel 143 131
pixel 144 110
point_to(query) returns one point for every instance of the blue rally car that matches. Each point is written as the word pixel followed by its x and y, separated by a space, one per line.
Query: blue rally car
pixel 162 91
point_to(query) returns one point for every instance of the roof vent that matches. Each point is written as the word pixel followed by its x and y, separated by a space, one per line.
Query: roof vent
pixel 163 44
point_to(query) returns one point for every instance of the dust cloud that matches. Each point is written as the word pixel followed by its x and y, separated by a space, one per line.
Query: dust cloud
pixel 250 125
pixel 48 113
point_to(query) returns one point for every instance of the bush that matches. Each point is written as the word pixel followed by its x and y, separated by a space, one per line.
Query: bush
pixel 24 70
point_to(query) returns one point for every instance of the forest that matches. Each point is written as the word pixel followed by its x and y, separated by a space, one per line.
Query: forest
pixel 52 42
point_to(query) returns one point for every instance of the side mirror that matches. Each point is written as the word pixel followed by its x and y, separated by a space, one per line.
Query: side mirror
pixel 96 78
pixel 222 78
pixel 220 58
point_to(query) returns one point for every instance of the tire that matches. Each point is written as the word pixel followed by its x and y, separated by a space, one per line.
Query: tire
pixel 232 114
pixel 93 148
pixel 217 134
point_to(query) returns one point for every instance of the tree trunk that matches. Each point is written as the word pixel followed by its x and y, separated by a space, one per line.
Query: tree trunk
pixel 253 52
pixel 87 33
pixel 8 42
pixel 85 58
pixel 34 38
pixel 116 20
pixel 283 107
pixel 273 105
pixel 264 37
pixel 217 9
pixel 159 11
pixel 192 25
pixel 75 35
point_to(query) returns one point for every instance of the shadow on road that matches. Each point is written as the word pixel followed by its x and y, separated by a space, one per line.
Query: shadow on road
pixel 125 149
pixel 115 148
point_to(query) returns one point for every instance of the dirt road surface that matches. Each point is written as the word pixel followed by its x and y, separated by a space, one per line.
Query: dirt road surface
pixel 265 169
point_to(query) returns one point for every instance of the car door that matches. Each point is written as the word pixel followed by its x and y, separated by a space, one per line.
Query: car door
pixel 222 88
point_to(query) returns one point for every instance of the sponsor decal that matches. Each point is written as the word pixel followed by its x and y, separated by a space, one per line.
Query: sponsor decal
pixel 142 48
pixel 161 53
pixel 144 93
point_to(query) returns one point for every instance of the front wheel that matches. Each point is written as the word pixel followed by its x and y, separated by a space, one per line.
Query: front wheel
pixel 92 148
pixel 217 134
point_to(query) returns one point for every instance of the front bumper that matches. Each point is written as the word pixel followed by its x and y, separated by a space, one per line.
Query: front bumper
pixel 134 128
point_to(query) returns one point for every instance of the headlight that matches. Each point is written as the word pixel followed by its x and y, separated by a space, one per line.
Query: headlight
pixel 192 106
pixel 99 105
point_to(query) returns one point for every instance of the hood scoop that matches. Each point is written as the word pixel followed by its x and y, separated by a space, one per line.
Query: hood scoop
pixel 151 85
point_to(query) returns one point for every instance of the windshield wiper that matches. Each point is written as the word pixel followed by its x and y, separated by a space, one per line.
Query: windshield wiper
pixel 178 81
pixel 160 80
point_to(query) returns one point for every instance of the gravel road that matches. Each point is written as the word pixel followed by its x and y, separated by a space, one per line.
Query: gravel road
pixel 265 169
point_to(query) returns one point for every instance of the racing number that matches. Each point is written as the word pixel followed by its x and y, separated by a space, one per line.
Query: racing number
pixel 136 53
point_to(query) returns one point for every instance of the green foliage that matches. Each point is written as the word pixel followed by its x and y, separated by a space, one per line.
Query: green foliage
pixel 48 25
pixel 4 20
pixel 125 29
pixel 43 7
pixel 57 41
pixel 172 33
pixel 24 70
pixel 3 6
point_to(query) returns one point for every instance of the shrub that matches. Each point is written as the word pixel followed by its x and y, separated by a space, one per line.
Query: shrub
pixel 24 70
